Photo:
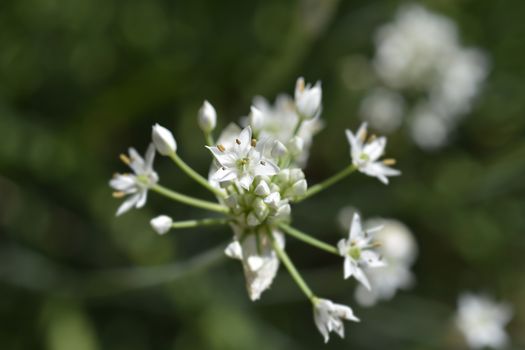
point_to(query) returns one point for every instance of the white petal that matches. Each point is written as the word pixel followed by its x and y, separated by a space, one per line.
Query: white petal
pixel 125 183
pixel 224 174
pixel 356 229
pixel 348 268
pixel 225 158
pixel 265 168
pixel 359 275
pixel 245 181
pixel 128 204
pixel 143 196
pixel 234 250
pixel 150 157
pixel 372 259
pixel 375 149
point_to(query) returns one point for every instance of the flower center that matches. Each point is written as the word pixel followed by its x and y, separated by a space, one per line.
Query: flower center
pixel 354 252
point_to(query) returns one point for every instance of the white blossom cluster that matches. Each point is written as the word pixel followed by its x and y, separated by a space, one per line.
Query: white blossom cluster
pixel 425 73
pixel 257 175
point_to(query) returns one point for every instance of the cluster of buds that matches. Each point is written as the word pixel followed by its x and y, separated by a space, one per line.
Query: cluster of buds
pixel 256 176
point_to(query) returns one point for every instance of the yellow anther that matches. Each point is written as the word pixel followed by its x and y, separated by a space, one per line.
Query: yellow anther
pixel 254 142
pixel 372 138
pixel 118 194
pixel 389 161
pixel 237 141
pixel 125 159
pixel 221 148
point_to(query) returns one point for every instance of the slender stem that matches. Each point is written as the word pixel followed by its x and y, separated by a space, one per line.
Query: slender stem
pixel 199 203
pixel 197 223
pixel 291 269
pixel 298 126
pixel 309 239
pixel 194 175
pixel 328 182
pixel 209 138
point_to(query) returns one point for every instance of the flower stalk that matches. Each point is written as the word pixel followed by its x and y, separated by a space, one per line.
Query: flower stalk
pixel 194 175
pixel 292 270
pixel 328 182
pixel 199 203
pixel 199 223
pixel 309 239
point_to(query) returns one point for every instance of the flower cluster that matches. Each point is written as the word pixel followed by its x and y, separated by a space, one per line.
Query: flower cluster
pixel 419 59
pixel 256 176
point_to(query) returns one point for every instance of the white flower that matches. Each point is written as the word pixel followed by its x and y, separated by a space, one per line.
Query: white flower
pixel 259 260
pixel 207 117
pixel 308 99
pixel 163 140
pixel 329 317
pixel 135 185
pixel 358 253
pixel 482 321
pixel 242 161
pixel 365 155
pixel 161 224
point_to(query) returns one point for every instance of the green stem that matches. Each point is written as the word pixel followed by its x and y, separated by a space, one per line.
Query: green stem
pixel 198 223
pixel 199 203
pixel 328 182
pixel 209 139
pixel 299 124
pixel 291 269
pixel 309 239
pixel 194 175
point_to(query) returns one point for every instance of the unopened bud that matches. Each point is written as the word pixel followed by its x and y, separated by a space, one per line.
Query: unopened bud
pixel 299 188
pixel 161 224
pixel 296 145
pixel 256 118
pixel 308 99
pixel 163 139
pixel 262 189
pixel 207 117
pixel 278 149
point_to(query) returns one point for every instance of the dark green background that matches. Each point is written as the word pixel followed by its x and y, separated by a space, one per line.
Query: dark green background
pixel 81 80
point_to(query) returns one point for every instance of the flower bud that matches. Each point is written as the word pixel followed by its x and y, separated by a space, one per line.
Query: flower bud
pixel 256 118
pixel 283 176
pixel 308 99
pixel 296 145
pixel 296 174
pixel 252 220
pixel 273 199
pixel 207 117
pixel 163 139
pixel 283 211
pixel 299 188
pixel 161 224
pixel 278 149
pixel 262 189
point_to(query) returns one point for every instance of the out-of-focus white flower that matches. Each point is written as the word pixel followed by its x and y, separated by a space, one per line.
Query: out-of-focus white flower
pixel 163 140
pixel 308 99
pixel 358 252
pixel 398 248
pixel 365 155
pixel 383 109
pixel 241 161
pixel 135 185
pixel 428 128
pixel 482 321
pixel 458 81
pixel 207 117
pixel 411 47
pixel 259 260
pixel 328 317
pixel 419 51
pixel 161 224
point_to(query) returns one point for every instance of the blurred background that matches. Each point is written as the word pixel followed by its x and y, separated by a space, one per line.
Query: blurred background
pixel 82 80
